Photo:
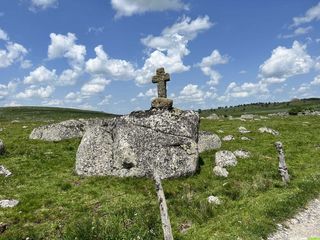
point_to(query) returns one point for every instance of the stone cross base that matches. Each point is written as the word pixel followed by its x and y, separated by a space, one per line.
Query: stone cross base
pixel 162 103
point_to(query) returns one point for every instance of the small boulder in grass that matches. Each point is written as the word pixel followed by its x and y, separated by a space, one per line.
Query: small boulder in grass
pixel 228 138
pixel 242 129
pixel 268 130
pixel 245 138
pixel 242 153
pixel 214 200
pixel 225 158
pixel 220 171
pixel 5 172
pixel 8 203
pixel 208 141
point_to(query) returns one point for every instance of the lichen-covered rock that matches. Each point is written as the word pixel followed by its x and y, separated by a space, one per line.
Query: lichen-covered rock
pixel 242 129
pixel 8 203
pixel 2 147
pixel 225 158
pixel 64 130
pixel 268 130
pixel 208 141
pixel 242 153
pixel 214 200
pixel 5 172
pixel 141 143
pixel 220 171
pixel 245 138
pixel 228 138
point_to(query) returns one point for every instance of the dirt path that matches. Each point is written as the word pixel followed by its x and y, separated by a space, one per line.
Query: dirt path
pixel 304 225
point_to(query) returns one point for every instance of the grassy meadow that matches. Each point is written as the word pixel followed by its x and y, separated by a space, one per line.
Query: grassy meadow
pixel 55 203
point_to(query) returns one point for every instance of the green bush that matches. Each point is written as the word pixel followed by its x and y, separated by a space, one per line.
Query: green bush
pixel 295 110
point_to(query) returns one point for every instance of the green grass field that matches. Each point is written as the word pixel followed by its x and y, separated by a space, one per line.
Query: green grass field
pixel 55 203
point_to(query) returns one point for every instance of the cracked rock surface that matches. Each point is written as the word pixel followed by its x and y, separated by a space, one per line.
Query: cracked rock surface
pixel 141 142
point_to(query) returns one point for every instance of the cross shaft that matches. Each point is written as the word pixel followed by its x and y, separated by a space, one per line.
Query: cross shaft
pixel 161 79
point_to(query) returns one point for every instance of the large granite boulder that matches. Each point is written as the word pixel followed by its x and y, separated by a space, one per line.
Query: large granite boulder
pixel 208 141
pixel 138 144
pixel 64 130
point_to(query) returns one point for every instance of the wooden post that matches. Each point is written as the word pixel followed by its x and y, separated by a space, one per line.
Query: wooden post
pixel 165 220
pixel 283 170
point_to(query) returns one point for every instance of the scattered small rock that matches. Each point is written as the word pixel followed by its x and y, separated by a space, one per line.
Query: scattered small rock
pixel 2 147
pixel 208 141
pixel 214 200
pixel 247 116
pixel 24 127
pixel 15 121
pixel 242 129
pixel 220 131
pixel 245 138
pixel 225 158
pixel 4 171
pixel 242 153
pixel 278 114
pixel 8 203
pixel 228 138
pixel 268 130
pixel 184 227
pixel 220 171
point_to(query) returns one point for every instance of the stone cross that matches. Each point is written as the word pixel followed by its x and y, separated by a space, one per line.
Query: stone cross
pixel 161 79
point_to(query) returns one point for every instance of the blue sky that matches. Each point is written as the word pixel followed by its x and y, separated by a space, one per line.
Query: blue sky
pixel 101 54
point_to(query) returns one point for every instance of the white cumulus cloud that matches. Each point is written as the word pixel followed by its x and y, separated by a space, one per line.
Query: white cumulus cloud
pixel 65 46
pixel 94 86
pixel 41 75
pixel 14 52
pixel 131 7
pixel 103 65
pixel 36 92
pixel 192 93
pixel 209 62
pixel 286 62
pixel 169 49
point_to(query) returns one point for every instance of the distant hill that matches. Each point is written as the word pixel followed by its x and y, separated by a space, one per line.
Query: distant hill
pixel 47 113
pixel 265 108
